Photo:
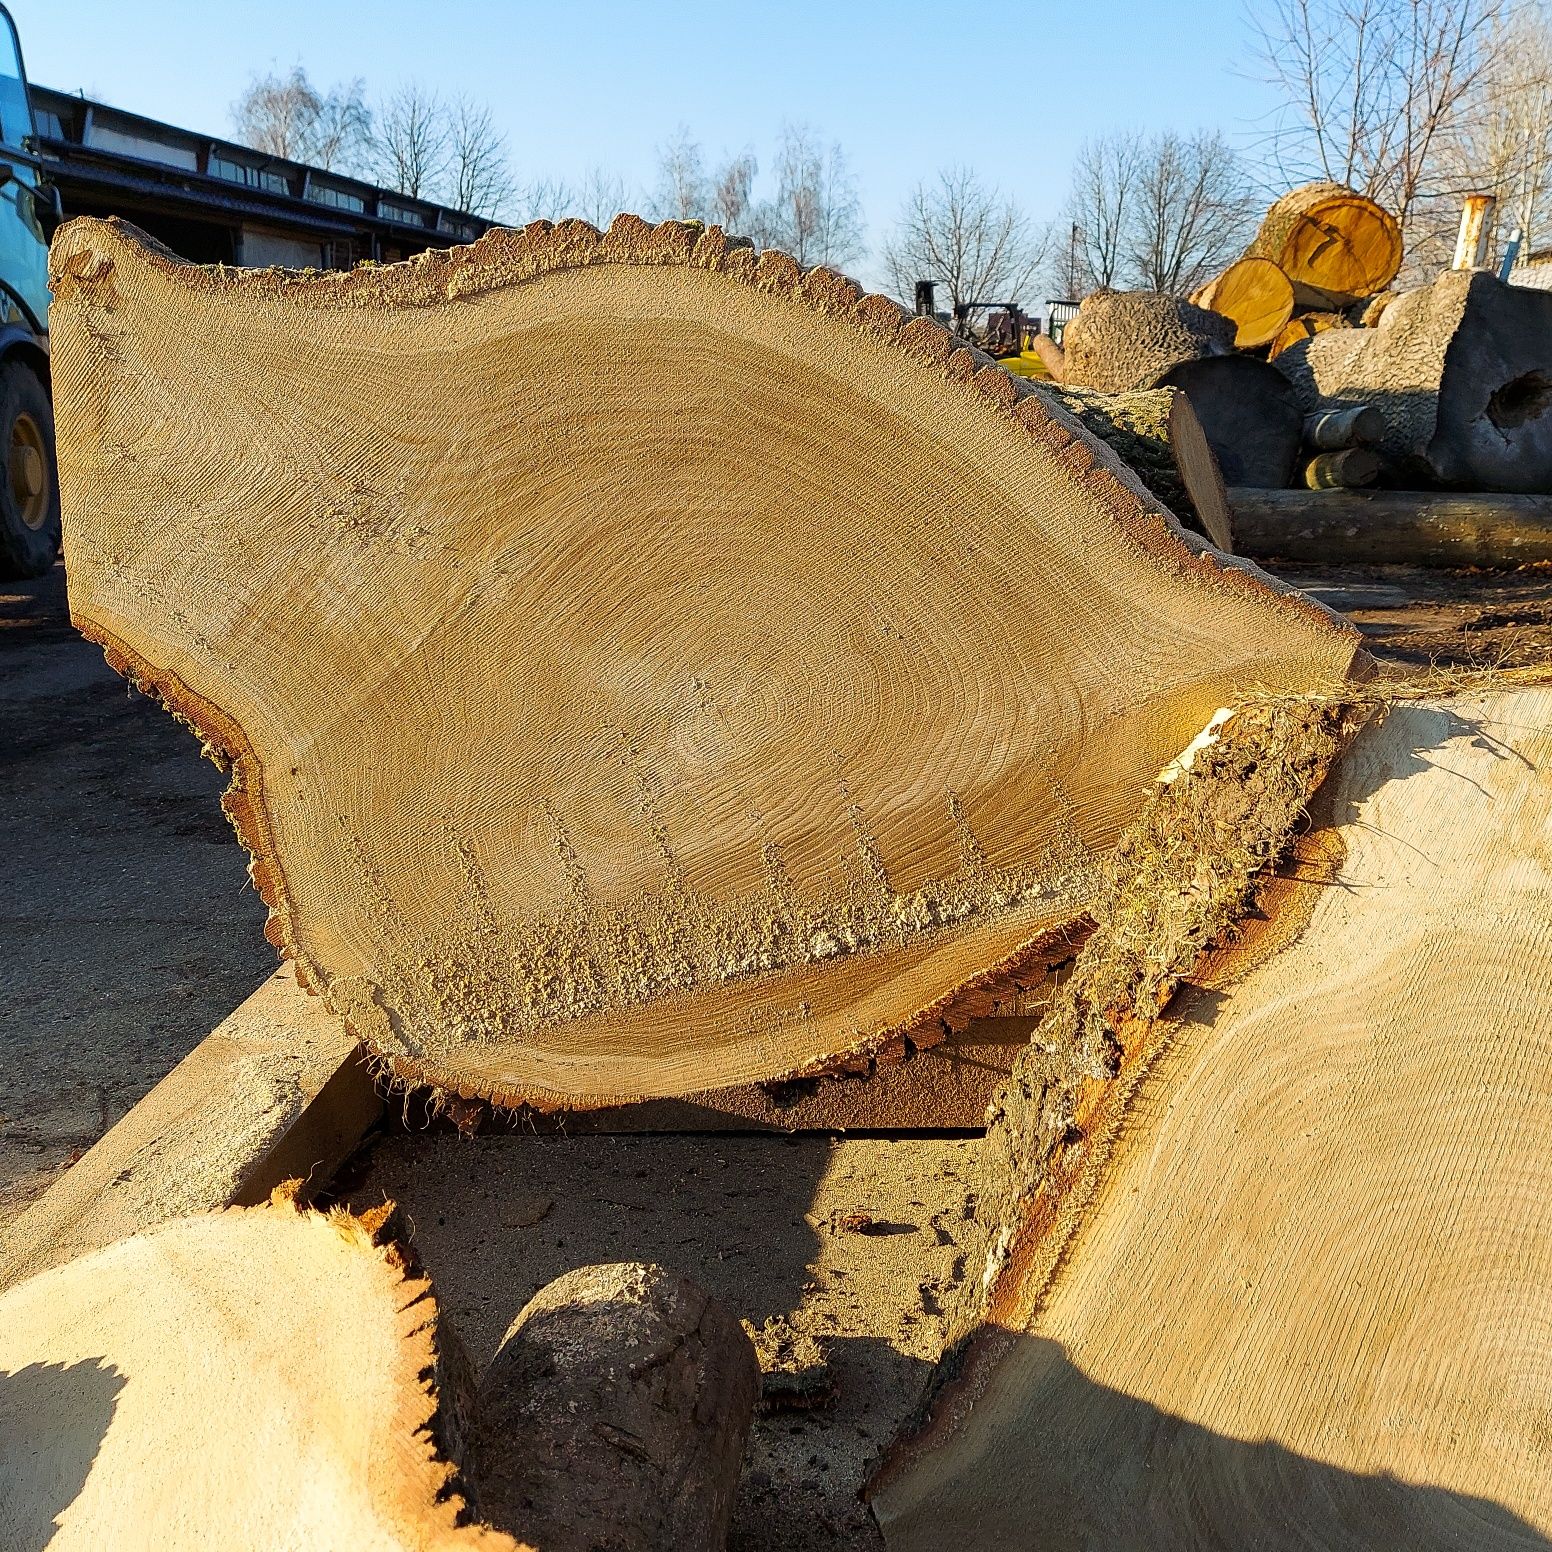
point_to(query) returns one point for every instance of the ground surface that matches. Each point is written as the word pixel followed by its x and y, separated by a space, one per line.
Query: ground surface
pixel 128 922
pixel 853 1246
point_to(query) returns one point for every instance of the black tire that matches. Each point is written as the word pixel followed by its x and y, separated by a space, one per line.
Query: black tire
pixel 29 476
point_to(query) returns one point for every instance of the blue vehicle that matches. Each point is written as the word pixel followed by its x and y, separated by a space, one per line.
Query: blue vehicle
pixel 29 212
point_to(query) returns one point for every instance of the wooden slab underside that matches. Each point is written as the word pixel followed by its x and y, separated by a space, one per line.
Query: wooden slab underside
pixel 1309 1306
pixel 278 1091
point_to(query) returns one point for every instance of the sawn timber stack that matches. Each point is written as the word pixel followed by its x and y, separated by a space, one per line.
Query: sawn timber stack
pixel 644 665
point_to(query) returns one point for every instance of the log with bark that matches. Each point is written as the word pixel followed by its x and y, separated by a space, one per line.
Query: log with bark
pixel 614 1415
pixel 1251 418
pixel 1394 527
pixel 1328 431
pixel 1182 1349
pixel 258 1378
pixel 644 666
pixel 1157 435
pixel 1256 295
pixel 1336 246
pixel 1461 371
pixel 1122 340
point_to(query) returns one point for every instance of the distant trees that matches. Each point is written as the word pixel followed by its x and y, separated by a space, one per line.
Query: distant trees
pixel 414 141
pixel 1156 213
pixel 288 116
pixel 813 211
pixel 1379 94
pixel 969 238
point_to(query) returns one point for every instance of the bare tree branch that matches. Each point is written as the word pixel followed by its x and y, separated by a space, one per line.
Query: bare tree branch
pixel 413 141
pixel 288 116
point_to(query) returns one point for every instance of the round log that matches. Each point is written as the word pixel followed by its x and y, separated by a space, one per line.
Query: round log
pixel 1461 372
pixel 1346 469
pixel 1251 417
pixel 253 1378
pixel 1336 246
pixel 1157 434
pixel 1394 527
pixel 1359 425
pixel 1121 340
pixel 1256 295
pixel 614 1415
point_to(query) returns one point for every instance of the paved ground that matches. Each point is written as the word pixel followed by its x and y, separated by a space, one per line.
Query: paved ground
pixel 128 924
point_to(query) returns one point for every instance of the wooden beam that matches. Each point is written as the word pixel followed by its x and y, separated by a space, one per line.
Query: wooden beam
pixel 1393 527
pixel 277 1091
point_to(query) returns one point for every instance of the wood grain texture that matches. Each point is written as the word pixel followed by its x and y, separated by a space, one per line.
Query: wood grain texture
pixel 254 1379
pixel 646 667
pixel 1335 245
pixel 1307 1306
pixel 1256 294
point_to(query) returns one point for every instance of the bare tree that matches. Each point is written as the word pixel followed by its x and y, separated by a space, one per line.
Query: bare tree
pixel 965 235
pixel 598 197
pixel 732 191
pixel 815 214
pixel 1189 212
pixel 1372 91
pixel 479 176
pixel 1105 179
pixel 287 116
pixel 413 141
pixel 1503 142
pixel 681 180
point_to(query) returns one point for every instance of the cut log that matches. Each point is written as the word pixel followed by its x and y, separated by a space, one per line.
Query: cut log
pixel 1052 354
pixel 1121 340
pixel 1461 371
pixel 1156 433
pixel 647 668
pixel 614 1414
pixel 1328 431
pixel 1336 246
pixel 1347 469
pixel 1217 1360
pixel 1256 295
pixel 253 1378
pixel 1304 327
pixel 1252 421
pixel 1393 527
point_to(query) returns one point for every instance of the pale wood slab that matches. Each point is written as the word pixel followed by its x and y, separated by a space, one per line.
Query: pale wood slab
pixel 248 1381
pixel 1308 1305
pixel 646 667
pixel 277 1091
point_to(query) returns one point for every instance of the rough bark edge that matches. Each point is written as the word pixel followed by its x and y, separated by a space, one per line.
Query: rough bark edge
pixel 1178 885
pixel 83 257
pixel 1283 214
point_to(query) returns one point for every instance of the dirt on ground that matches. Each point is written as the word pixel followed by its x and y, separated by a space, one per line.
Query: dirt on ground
pixel 128 924
pixel 840 1255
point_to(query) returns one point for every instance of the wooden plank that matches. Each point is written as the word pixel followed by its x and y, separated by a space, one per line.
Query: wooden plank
pixel 276 1091
pixel 1307 1305
pixel 1396 527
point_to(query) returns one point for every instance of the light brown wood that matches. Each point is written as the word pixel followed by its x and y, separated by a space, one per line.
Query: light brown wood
pixel 1306 1307
pixel 1393 527
pixel 259 1378
pixel 1051 355
pixel 1256 294
pixel 277 1091
pixel 1304 327
pixel 1336 246
pixel 646 667
pixel 1346 469
pixel 615 1413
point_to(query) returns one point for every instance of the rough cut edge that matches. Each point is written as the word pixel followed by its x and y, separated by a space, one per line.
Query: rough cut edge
pixel 82 260
pixel 1181 881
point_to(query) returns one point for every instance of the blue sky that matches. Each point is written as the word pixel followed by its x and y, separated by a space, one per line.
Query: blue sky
pixel 578 83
